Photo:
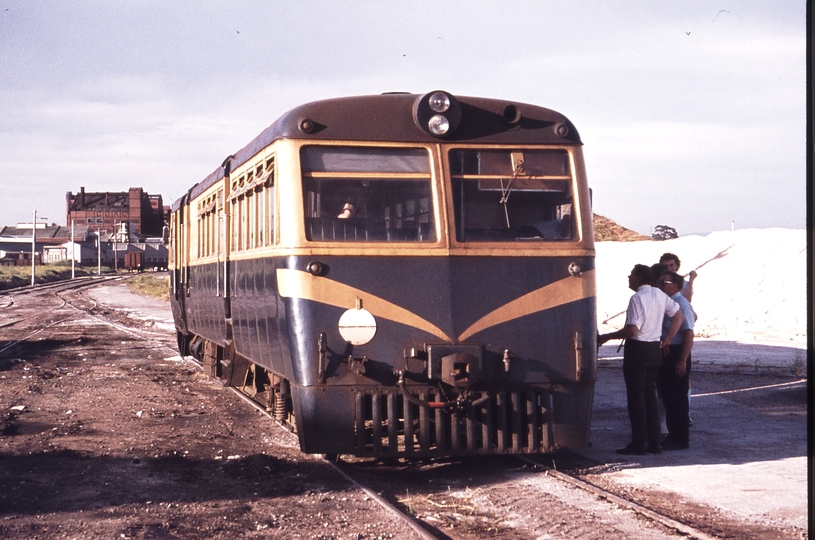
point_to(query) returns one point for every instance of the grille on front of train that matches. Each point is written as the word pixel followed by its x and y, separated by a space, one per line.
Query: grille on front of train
pixel 388 425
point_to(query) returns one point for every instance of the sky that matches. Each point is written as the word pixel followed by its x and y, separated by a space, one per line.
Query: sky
pixel 692 112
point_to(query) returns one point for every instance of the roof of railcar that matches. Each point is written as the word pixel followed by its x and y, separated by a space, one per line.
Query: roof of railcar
pixel 389 118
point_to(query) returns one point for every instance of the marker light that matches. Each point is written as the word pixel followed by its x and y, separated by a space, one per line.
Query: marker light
pixel 357 326
pixel 439 102
pixel 438 125
pixel 306 125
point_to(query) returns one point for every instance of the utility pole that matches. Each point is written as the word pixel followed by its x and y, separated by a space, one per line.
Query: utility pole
pixel 33 245
pixel 73 252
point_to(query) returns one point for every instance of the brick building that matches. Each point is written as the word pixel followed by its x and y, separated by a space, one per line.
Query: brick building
pixel 143 214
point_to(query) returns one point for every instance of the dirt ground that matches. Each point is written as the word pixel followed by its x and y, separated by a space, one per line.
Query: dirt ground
pixel 106 433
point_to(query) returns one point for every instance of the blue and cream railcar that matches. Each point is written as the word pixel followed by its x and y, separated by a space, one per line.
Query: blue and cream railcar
pixel 399 275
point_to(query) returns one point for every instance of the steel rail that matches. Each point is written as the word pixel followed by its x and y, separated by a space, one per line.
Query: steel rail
pixel 71 286
pixel 79 281
pixel 63 281
pixel 751 389
pixel 29 289
pixel 405 518
pixel 60 286
pixel 415 524
pixel 671 523
pixel 425 534
pixel 35 332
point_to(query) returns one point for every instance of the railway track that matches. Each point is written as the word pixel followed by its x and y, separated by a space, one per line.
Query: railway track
pixel 420 529
pixel 7 295
pixel 443 523
pixel 383 484
pixel 429 531
pixel 670 523
pixel 54 315
pixel 55 289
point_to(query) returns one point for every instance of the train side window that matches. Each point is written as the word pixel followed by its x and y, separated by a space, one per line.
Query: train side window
pixel 213 220
pixel 269 199
pixel 236 224
pixel 242 202
pixel 200 229
pixel 512 195
pixel 252 208
pixel 202 236
pixel 367 194
pixel 203 240
pixel 220 229
pixel 270 213
pixel 260 217
pixel 205 227
pixel 233 226
pixel 251 219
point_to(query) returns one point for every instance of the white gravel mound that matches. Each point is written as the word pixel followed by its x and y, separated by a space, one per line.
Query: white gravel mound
pixel 751 284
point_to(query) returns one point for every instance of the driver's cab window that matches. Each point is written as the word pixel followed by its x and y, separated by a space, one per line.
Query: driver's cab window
pixel 512 195
pixel 367 194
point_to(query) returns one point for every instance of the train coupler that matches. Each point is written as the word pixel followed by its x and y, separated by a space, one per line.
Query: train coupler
pixel 464 401
pixel 459 366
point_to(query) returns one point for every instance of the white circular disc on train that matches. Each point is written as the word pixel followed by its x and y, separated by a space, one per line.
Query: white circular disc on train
pixel 357 326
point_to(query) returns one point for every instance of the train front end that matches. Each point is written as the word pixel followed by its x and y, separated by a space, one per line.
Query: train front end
pixel 434 276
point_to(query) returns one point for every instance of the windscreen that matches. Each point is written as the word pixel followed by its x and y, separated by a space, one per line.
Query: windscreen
pixel 512 195
pixel 367 194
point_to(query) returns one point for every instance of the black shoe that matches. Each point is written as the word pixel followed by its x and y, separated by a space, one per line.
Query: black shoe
pixel 671 445
pixel 632 450
pixel 654 448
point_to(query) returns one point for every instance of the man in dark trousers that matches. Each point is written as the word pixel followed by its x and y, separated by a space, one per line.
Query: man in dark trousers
pixel 673 378
pixel 643 357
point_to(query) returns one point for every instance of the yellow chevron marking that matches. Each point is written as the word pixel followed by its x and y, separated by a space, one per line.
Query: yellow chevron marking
pixel 555 294
pixel 300 284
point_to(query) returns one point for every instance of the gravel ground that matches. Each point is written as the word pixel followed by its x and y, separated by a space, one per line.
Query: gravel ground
pixel 105 435
pixel 108 436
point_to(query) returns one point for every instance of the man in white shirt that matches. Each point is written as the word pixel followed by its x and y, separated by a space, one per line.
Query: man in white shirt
pixel 643 356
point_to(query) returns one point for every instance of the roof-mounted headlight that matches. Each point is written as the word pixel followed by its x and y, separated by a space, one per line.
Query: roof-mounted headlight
pixel 437 113
pixel 438 125
pixel 439 102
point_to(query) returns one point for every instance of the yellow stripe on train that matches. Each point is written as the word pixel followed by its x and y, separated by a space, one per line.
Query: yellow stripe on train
pixel 300 284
